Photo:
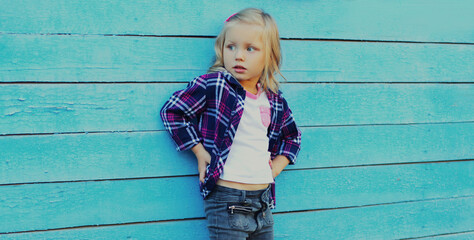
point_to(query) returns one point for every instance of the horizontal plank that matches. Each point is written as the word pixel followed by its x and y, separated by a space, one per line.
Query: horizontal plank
pixel 25 207
pixel 458 236
pixel 58 108
pixel 393 221
pixel 46 58
pixel 187 229
pixel 431 21
pixel 72 157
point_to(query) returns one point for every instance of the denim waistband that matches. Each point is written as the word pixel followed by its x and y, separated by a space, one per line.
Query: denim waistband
pixel 261 194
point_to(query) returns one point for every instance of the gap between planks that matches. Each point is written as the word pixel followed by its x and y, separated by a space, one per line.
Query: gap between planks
pixel 289 170
pixel 441 235
pixel 202 218
pixel 214 36
pixel 301 126
pixel 184 82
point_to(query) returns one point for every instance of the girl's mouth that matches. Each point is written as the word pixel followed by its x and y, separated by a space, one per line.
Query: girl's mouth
pixel 239 69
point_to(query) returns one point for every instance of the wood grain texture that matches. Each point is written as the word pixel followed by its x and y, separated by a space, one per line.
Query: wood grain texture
pixel 460 236
pixel 72 157
pixel 404 20
pixel 46 58
pixel 382 90
pixel 58 205
pixel 51 108
pixel 381 222
pixel 391 221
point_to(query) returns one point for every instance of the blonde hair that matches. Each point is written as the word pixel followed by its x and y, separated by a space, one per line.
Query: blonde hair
pixel 271 45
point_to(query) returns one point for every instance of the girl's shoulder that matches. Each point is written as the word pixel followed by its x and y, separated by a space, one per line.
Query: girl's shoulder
pixel 278 96
pixel 218 74
pixel 221 78
pixel 211 75
pixel 278 100
pixel 206 79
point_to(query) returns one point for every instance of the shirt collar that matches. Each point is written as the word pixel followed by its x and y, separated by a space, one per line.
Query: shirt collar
pixel 232 80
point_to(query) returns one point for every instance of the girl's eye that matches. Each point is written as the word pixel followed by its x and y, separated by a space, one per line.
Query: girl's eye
pixel 250 49
pixel 231 47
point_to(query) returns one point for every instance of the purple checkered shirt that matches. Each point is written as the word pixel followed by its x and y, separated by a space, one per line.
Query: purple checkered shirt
pixel 216 101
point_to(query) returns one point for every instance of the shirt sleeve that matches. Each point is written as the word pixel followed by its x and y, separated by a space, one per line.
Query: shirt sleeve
pixel 178 111
pixel 290 135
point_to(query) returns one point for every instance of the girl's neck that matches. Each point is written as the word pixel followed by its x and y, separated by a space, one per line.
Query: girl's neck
pixel 250 86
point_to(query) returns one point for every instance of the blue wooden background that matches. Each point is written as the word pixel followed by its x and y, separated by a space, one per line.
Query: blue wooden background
pixel 383 92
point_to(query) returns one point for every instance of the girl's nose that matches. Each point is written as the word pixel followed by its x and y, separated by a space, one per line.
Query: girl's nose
pixel 239 55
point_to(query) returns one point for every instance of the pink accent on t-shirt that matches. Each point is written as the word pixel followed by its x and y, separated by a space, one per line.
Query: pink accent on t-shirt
pixel 265 115
pixel 254 96
pixel 251 95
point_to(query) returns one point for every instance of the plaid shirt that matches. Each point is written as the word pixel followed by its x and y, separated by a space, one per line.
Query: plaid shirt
pixel 216 101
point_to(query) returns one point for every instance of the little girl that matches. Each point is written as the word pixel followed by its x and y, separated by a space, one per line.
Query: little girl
pixel 245 133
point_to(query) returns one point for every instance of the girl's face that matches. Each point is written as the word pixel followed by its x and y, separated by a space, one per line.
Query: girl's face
pixel 243 53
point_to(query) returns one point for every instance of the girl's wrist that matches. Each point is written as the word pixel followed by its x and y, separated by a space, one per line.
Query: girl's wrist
pixel 278 164
pixel 201 153
pixel 197 149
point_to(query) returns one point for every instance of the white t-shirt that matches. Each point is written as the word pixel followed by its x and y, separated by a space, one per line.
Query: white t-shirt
pixel 248 160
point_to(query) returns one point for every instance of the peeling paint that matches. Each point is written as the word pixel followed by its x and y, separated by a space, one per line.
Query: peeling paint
pixel 12 113
pixel 53 109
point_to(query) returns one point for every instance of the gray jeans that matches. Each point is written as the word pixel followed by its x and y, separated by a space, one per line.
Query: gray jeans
pixel 238 214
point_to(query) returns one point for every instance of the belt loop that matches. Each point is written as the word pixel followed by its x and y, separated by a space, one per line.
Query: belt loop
pixel 243 195
pixel 264 197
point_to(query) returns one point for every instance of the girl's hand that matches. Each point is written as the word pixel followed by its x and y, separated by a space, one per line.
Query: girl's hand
pixel 203 158
pixel 278 164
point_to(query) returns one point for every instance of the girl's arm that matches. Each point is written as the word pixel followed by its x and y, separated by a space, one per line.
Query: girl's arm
pixel 204 159
pixel 290 145
pixel 178 111
pixel 278 164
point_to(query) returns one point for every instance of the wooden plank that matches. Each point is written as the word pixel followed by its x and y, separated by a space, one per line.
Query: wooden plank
pixel 459 236
pixel 428 21
pixel 26 207
pixel 393 221
pixel 70 157
pixel 46 58
pixel 57 108
pixel 187 229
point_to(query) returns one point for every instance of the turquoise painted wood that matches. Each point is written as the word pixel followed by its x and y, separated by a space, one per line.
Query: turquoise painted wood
pixel 383 91
pixel 403 20
pixel 460 236
pixel 379 222
pixel 136 155
pixel 414 219
pixel 96 203
pixel 56 108
pixel 152 59
pixel 392 221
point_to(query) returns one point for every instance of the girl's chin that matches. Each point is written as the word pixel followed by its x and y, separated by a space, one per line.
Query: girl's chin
pixel 237 74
